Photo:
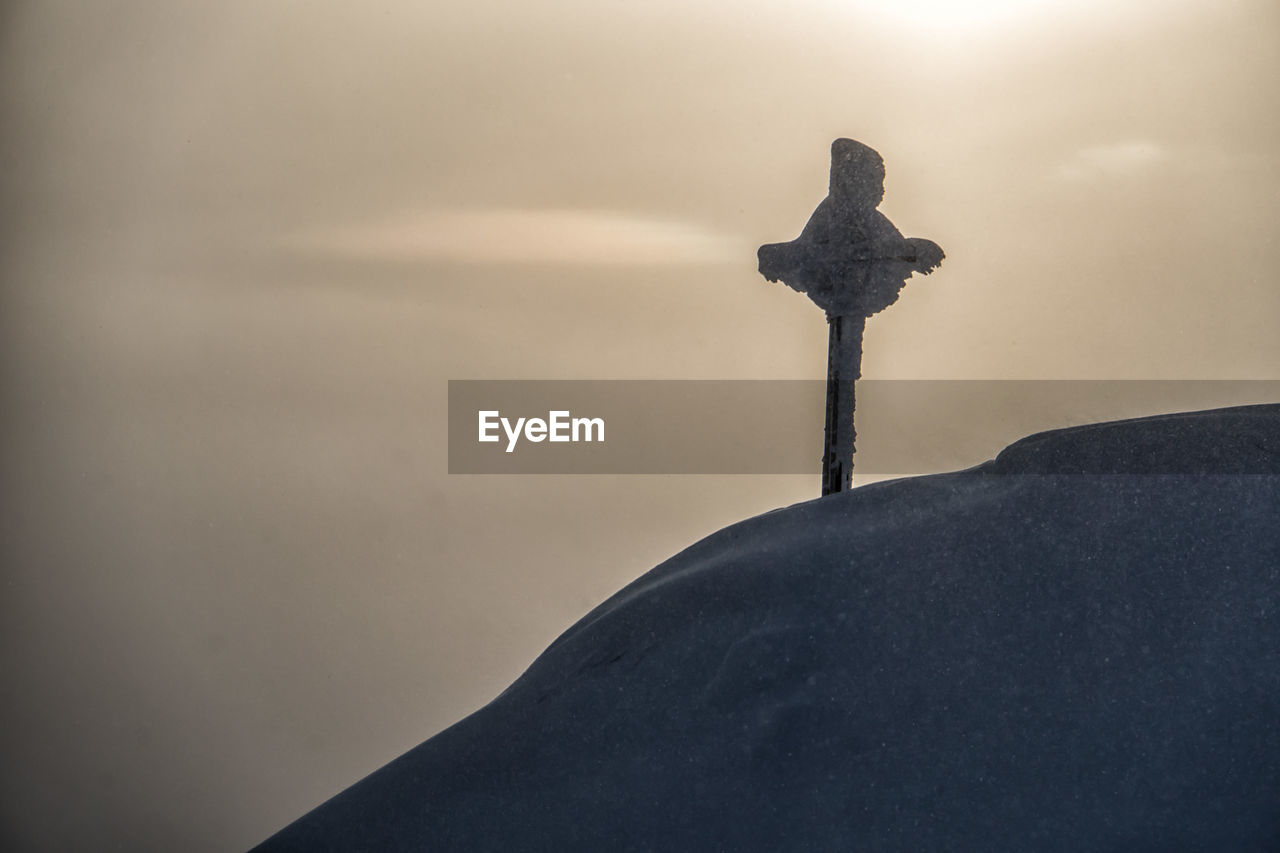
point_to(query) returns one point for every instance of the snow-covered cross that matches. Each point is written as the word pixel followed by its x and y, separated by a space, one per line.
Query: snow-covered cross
pixel 852 263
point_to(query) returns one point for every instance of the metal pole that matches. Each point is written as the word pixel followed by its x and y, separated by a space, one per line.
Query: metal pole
pixel 844 366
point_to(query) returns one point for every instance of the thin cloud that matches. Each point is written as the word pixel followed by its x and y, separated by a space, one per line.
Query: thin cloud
pixel 1113 160
pixel 536 236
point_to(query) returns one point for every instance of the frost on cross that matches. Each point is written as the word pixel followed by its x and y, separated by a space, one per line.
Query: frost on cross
pixel 852 263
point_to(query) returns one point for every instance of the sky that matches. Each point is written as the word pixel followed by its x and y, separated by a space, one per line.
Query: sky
pixel 246 245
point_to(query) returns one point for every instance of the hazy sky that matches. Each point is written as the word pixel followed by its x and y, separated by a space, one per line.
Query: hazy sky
pixel 245 245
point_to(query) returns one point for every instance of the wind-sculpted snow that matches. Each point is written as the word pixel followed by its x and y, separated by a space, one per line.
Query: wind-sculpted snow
pixel 850 259
pixel 985 660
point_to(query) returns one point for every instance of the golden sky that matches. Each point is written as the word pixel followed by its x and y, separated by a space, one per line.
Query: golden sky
pixel 245 244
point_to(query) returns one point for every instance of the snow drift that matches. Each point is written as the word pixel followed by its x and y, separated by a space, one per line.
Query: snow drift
pixel 1075 646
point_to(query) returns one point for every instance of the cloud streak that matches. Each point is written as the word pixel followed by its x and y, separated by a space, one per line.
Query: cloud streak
pixel 1115 159
pixel 526 236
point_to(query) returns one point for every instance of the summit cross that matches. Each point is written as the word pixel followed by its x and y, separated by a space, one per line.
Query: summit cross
pixel 852 263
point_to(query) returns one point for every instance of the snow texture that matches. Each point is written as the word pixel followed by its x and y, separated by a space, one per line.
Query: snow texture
pixel 1075 646
pixel 850 259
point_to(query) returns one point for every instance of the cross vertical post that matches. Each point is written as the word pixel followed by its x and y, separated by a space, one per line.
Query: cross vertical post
pixel 844 367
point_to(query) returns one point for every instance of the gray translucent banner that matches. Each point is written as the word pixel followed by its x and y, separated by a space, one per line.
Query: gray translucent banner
pixel 776 426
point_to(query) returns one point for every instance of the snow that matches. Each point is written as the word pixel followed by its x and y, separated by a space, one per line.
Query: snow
pixel 1019 656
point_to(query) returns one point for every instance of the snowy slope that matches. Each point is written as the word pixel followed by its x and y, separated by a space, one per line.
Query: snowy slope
pixel 1029 655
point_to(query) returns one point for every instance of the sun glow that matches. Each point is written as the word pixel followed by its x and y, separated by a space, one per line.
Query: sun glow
pixel 969 16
